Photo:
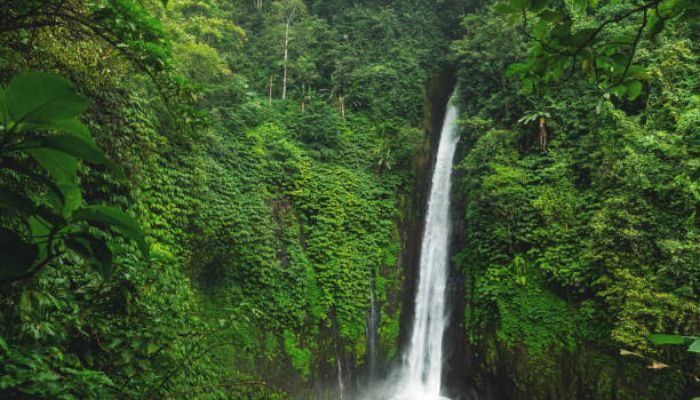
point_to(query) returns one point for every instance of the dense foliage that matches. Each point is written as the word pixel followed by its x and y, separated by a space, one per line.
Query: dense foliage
pixel 579 184
pixel 201 199
pixel 264 149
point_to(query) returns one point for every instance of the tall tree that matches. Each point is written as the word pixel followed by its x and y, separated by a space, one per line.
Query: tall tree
pixel 288 11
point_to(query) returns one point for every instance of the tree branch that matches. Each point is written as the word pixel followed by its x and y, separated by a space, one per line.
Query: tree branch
pixel 634 47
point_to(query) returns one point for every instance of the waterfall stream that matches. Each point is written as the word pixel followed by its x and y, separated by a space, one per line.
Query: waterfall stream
pixel 371 333
pixel 341 384
pixel 421 374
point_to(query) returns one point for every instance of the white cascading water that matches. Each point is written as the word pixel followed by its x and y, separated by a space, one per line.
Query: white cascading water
pixel 341 385
pixel 422 370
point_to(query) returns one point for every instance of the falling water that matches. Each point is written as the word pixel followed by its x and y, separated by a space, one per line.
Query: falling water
pixel 341 385
pixel 422 370
pixel 371 334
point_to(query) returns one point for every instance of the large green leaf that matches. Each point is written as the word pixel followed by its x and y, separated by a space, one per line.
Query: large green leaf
pixel 36 97
pixel 16 255
pixel 695 346
pixel 116 219
pixel 40 231
pixel 62 167
pixel 69 125
pixel 80 148
pixel 75 140
pixel 660 338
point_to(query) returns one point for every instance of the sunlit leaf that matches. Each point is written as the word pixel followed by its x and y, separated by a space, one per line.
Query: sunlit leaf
pixel 625 353
pixel 695 346
pixel 657 365
pixel 659 339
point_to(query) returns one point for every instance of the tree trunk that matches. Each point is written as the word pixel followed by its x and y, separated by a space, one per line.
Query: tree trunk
pixel 269 100
pixel 543 134
pixel 286 57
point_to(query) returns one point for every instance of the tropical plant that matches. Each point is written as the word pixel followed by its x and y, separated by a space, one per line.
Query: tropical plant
pixel 42 143
pixel 597 38
pixel 693 342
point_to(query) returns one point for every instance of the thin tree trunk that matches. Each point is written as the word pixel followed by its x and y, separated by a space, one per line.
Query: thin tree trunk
pixel 286 57
pixel 543 134
pixel 341 101
pixel 269 100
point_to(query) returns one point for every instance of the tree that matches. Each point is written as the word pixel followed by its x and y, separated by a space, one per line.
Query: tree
pixel 598 39
pixel 288 11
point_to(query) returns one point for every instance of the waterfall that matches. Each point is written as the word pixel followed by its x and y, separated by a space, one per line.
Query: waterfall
pixel 420 377
pixel 371 334
pixel 341 385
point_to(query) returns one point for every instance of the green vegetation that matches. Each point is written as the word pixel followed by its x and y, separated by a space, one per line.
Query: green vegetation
pixel 200 198
pixel 32 105
pixel 579 184
pixel 203 211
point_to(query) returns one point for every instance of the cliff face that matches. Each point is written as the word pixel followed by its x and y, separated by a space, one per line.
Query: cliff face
pixel 438 93
pixel 396 308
